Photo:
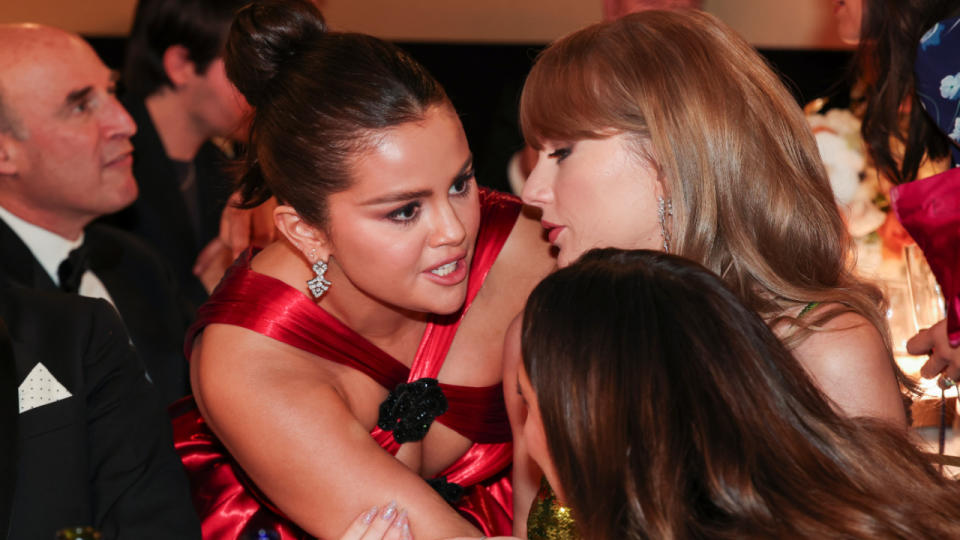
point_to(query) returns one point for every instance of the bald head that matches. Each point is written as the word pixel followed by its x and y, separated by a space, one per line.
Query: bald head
pixel 20 37
pixel 65 157
pixel 19 42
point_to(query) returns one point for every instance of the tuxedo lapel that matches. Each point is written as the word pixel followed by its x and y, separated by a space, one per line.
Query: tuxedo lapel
pixel 8 428
pixel 18 266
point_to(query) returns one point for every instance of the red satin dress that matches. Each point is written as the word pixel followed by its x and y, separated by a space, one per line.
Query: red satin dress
pixel 227 501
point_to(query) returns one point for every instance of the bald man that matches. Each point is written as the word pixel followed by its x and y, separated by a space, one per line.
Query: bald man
pixel 93 442
pixel 65 159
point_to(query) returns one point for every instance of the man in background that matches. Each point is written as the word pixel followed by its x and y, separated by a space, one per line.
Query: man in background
pixel 65 160
pixel 176 89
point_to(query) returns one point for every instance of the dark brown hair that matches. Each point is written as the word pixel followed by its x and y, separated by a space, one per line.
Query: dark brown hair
pixel 672 411
pixel 890 32
pixel 750 196
pixel 320 99
pixel 199 25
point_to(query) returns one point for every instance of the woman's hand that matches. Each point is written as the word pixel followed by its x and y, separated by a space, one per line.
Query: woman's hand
pixel 944 359
pixel 241 228
pixel 389 523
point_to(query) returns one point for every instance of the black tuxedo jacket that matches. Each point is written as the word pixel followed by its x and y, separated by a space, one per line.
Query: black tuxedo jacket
pixel 159 215
pixel 102 456
pixel 142 287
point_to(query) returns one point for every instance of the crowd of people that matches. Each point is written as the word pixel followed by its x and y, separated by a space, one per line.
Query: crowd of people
pixel 662 337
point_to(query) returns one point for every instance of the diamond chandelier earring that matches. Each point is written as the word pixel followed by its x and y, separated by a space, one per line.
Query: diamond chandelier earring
pixel 664 209
pixel 319 284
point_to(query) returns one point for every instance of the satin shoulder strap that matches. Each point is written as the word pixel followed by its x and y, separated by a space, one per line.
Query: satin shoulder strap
pixel 268 306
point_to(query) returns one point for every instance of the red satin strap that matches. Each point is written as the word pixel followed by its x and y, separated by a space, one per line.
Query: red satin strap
pixel 270 307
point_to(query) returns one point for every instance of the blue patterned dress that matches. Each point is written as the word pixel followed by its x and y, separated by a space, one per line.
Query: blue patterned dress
pixel 937 72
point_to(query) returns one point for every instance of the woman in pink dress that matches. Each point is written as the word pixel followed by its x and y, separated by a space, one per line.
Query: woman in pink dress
pixel 356 360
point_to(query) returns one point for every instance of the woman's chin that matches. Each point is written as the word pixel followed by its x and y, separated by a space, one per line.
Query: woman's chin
pixel 566 257
pixel 447 305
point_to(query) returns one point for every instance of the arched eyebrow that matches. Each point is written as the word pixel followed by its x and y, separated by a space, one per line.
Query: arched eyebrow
pixel 465 168
pixel 399 196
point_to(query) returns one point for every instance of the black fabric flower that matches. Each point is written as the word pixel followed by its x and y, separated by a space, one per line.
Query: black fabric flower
pixel 450 491
pixel 410 409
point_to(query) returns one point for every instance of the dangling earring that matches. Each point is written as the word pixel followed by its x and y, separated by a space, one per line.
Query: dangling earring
pixel 319 284
pixel 664 209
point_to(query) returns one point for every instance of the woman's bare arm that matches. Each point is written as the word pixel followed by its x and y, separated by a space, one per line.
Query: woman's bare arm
pixel 290 427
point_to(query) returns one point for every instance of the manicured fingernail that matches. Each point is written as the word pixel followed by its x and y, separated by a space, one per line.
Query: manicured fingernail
pixel 401 520
pixel 389 511
pixel 368 517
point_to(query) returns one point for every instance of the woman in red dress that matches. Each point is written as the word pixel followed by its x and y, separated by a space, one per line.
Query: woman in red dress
pixel 321 361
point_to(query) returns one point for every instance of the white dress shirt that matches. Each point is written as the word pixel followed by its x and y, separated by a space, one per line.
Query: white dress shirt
pixel 50 250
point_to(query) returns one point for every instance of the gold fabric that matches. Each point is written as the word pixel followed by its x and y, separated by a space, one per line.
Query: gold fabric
pixel 548 519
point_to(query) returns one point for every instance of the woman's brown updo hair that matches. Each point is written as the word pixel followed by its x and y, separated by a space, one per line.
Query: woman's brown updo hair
pixel 320 97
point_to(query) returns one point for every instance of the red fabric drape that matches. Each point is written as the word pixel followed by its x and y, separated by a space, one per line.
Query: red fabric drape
pixel 929 210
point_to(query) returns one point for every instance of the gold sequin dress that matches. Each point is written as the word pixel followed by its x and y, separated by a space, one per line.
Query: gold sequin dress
pixel 548 519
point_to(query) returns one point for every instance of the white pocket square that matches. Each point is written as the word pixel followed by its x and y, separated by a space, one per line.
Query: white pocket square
pixel 40 388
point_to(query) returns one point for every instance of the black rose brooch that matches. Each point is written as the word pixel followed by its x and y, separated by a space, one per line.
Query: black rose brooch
pixel 410 409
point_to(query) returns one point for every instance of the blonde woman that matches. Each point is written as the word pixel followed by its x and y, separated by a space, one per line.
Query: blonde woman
pixel 666 130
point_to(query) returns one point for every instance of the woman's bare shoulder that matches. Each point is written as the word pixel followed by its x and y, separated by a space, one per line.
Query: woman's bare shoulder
pixel 284 417
pixel 526 258
pixel 229 363
pixel 847 357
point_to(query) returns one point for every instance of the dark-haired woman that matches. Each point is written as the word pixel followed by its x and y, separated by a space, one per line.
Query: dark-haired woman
pixel 909 57
pixel 316 361
pixel 659 406
pixel 904 53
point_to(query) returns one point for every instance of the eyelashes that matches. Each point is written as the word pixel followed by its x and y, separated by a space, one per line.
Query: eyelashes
pixel 461 185
pixel 405 213
pixel 560 153
pixel 409 212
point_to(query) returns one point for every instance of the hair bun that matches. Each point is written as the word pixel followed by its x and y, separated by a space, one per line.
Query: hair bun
pixel 264 36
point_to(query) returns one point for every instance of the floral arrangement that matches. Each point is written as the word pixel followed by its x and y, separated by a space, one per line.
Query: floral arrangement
pixel 860 198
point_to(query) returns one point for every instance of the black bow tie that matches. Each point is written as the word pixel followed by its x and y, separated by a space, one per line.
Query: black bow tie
pixel 72 268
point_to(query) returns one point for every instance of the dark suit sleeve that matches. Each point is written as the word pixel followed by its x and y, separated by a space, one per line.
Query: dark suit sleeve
pixel 139 487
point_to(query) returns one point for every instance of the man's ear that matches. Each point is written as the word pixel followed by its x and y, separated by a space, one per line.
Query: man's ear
pixel 178 65
pixel 308 239
pixel 9 149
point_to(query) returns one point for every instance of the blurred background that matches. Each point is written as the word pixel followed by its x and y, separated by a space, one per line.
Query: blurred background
pixel 481 50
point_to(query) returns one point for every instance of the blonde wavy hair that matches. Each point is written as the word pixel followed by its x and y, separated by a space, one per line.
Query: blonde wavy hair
pixel 750 195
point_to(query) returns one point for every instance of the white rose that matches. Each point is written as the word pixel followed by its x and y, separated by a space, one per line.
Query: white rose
pixel 843 165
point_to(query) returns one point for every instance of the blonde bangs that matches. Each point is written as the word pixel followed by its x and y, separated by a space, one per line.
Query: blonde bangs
pixel 566 96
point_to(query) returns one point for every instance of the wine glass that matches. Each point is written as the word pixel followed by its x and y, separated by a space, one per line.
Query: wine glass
pixel 926 297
